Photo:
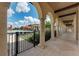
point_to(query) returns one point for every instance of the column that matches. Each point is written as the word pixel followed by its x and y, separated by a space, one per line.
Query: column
pixel 60 28
pixel 52 24
pixel 42 33
pixel 57 27
pixel 3 29
pixel 52 28
pixel 75 21
pixel 76 25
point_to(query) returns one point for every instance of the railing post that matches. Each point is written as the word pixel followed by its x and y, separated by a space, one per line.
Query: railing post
pixel 17 34
pixel 34 39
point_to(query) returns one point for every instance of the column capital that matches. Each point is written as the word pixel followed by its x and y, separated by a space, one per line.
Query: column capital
pixel 42 19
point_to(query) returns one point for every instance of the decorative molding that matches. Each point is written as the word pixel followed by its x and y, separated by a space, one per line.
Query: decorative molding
pixel 67 14
pixel 67 21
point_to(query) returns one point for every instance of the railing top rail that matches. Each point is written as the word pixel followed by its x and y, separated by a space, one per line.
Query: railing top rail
pixel 19 31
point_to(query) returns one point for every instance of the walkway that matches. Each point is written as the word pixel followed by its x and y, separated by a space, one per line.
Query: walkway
pixel 65 46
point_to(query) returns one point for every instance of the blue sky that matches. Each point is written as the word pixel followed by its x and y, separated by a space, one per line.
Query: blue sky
pixel 22 13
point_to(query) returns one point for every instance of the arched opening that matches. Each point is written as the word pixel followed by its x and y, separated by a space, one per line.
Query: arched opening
pixel 22 22
pixel 47 27
pixel 52 23
pixel 20 15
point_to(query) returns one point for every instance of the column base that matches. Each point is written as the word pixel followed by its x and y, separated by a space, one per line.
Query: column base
pixel 52 38
pixel 42 46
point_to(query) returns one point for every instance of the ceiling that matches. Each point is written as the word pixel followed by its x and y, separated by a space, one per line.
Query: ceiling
pixel 63 8
pixel 59 5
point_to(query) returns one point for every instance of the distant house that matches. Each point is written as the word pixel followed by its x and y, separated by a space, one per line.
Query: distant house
pixel 31 27
pixel 27 27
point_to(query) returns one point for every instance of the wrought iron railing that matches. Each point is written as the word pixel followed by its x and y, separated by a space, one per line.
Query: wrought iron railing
pixel 18 41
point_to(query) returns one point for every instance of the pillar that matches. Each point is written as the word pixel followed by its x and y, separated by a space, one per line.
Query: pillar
pixel 3 29
pixel 76 25
pixel 52 28
pixel 52 25
pixel 42 33
pixel 60 27
pixel 57 27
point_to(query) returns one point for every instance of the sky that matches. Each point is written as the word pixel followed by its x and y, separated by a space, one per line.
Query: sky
pixel 21 14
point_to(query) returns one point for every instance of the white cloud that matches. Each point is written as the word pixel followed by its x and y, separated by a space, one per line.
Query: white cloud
pixel 36 21
pixel 10 23
pixel 32 20
pixel 29 19
pixel 21 21
pixel 26 21
pixel 16 23
pixel 10 12
pixel 22 7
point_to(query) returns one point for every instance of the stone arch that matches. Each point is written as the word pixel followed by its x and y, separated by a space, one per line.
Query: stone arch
pixel 3 10
pixel 36 4
pixel 52 17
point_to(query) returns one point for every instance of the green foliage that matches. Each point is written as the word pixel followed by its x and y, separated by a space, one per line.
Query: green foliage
pixel 48 24
pixel 37 34
pixel 37 37
pixel 47 35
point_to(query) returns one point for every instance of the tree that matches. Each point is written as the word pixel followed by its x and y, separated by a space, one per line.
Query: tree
pixel 48 24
